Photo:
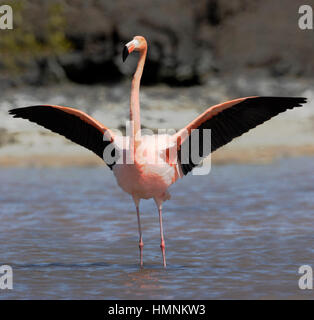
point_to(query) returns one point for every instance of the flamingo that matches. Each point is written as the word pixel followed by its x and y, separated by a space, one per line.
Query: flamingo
pixel 143 178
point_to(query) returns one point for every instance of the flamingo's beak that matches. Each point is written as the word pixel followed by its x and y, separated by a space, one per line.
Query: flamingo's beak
pixel 125 53
pixel 128 48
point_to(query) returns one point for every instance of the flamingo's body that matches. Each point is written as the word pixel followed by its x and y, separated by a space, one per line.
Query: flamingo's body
pixel 153 167
pixel 150 176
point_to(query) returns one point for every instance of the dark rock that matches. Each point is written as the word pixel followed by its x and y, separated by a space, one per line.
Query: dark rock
pixel 189 41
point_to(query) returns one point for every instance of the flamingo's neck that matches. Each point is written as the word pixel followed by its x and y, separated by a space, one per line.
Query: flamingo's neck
pixel 135 117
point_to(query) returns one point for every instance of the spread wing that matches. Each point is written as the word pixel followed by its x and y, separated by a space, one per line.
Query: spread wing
pixel 227 121
pixel 73 124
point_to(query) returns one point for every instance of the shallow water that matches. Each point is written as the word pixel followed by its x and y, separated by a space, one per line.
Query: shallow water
pixel 242 232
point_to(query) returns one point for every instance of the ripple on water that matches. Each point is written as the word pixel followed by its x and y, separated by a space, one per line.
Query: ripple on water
pixel 241 232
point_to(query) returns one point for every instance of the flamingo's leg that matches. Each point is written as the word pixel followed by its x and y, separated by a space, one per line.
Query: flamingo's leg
pixel 162 243
pixel 141 244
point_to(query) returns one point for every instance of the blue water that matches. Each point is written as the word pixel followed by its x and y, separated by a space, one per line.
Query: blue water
pixel 241 232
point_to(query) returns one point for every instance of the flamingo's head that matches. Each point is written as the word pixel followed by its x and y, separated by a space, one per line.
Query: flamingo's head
pixel 137 44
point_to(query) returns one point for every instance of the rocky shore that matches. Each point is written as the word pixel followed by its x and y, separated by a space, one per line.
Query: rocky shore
pixel 189 41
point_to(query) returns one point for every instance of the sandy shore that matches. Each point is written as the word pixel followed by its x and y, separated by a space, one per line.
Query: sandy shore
pixel 289 134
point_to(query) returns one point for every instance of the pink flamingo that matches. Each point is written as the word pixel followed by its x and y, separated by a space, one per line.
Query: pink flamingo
pixel 144 178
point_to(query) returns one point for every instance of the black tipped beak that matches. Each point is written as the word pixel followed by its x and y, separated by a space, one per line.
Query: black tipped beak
pixel 125 53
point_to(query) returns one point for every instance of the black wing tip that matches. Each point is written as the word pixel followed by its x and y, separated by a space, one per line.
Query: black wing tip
pixel 15 112
pixel 19 111
pixel 294 101
pixel 290 102
pixel 291 99
pixel 301 100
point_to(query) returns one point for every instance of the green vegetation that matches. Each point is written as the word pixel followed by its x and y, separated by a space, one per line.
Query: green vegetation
pixel 25 43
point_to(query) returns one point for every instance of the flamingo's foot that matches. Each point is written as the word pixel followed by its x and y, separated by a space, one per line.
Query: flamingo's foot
pixel 141 245
pixel 162 247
